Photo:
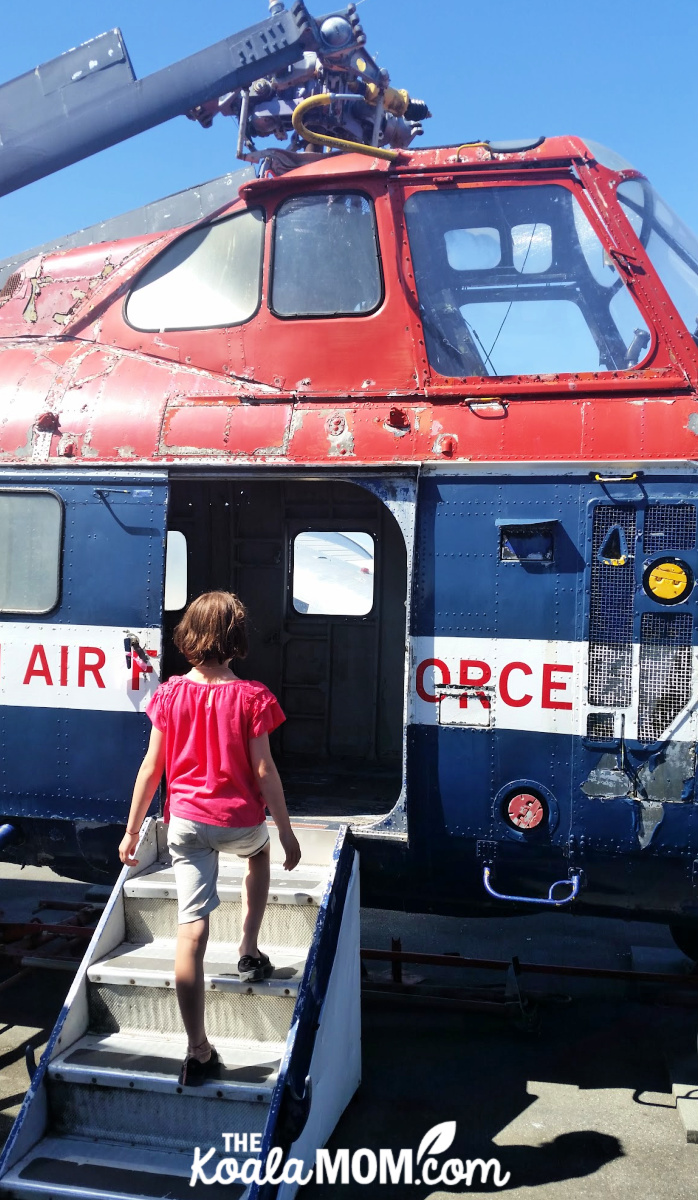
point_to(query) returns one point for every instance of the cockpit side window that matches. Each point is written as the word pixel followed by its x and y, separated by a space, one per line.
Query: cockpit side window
pixel 212 276
pixel 515 281
pixel 325 257
pixel 671 246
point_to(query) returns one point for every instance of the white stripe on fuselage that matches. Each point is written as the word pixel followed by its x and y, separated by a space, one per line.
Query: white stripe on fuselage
pixel 75 667
pixel 506 683
pixel 513 683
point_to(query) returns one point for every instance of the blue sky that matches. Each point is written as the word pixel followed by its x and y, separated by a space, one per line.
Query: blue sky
pixel 622 72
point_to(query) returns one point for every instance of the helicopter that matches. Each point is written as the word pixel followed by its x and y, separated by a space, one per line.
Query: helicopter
pixel 430 411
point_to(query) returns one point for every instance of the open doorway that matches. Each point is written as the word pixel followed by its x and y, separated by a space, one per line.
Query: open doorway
pixel 321 566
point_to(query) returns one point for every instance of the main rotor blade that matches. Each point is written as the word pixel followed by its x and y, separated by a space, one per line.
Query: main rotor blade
pixel 89 99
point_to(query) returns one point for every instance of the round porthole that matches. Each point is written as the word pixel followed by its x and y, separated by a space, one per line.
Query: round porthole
pixel 668 580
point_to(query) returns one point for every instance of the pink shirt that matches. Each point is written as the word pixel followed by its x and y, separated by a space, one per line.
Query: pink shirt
pixel 207 727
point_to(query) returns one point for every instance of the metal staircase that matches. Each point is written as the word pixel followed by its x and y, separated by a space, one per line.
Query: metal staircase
pixel 105 1117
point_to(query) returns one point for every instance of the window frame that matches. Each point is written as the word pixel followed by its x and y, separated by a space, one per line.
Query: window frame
pixel 259 208
pixel 327 525
pixel 542 383
pixel 34 491
pixel 651 225
pixel 330 191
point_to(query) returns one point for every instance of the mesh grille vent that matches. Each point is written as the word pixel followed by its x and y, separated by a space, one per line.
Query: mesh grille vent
pixel 600 726
pixel 10 286
pixel 612 615
pixel 670 527
pixel 666 665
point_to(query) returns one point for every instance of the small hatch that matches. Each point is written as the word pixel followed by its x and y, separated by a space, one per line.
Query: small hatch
pixel 527 543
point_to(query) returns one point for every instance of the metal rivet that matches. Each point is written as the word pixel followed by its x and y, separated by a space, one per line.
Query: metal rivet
pixel 167 983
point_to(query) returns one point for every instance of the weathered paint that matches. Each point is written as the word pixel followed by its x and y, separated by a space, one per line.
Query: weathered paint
pixel 268 388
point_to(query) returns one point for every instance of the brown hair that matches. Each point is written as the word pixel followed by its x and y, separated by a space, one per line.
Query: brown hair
pixel 213 627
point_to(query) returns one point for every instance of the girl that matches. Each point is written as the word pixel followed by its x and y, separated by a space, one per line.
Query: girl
pixel 210 734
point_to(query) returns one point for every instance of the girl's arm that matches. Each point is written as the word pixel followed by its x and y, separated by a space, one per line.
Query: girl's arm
pixel 270 784
pixel 147 781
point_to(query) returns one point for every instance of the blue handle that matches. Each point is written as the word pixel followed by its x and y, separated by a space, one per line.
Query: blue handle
pixel 574 881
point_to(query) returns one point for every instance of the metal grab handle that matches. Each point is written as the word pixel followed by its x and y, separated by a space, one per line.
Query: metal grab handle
pixel 574 881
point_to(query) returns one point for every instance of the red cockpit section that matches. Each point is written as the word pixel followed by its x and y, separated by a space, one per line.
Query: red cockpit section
pixel 462 303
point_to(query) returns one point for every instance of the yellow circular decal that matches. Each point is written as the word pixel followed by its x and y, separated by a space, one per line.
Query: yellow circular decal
pixel 668 581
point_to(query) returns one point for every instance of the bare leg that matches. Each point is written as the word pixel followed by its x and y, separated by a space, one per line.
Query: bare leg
pixel 256 885
pixel 189 984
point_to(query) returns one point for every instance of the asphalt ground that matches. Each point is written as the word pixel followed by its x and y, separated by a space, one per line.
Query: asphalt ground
pixel 576 1101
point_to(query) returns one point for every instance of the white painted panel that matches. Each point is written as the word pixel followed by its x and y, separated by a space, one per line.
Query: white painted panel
pixel 75 667
pixel 535 685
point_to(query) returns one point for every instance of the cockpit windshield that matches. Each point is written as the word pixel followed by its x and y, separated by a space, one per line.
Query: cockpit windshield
pixel 671 246
pixel 515 281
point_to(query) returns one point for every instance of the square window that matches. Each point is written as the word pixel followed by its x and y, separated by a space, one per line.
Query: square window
pixel 333 573
pixel 532 247
pixel 473 249
pixel 326 260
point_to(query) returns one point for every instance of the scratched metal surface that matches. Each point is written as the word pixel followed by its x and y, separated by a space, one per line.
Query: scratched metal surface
pixel 311 391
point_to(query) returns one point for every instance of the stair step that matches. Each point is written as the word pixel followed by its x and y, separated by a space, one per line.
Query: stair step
pixel 153 965
pixel 81 1169
pixel 144 1063
pixel 150 905
pixel 133 989
pixel 179 1122
pixel 288 887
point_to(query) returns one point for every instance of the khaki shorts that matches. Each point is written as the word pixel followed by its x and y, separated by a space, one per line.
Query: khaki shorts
pixel 194 849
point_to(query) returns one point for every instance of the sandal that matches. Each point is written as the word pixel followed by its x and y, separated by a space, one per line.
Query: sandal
pixel 193 1073
pixel 251 969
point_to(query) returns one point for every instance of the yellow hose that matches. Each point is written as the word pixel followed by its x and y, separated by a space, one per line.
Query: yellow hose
pixel 322 139
pixel 468 145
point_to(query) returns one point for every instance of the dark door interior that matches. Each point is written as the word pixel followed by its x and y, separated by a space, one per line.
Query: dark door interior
pixel 338 676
